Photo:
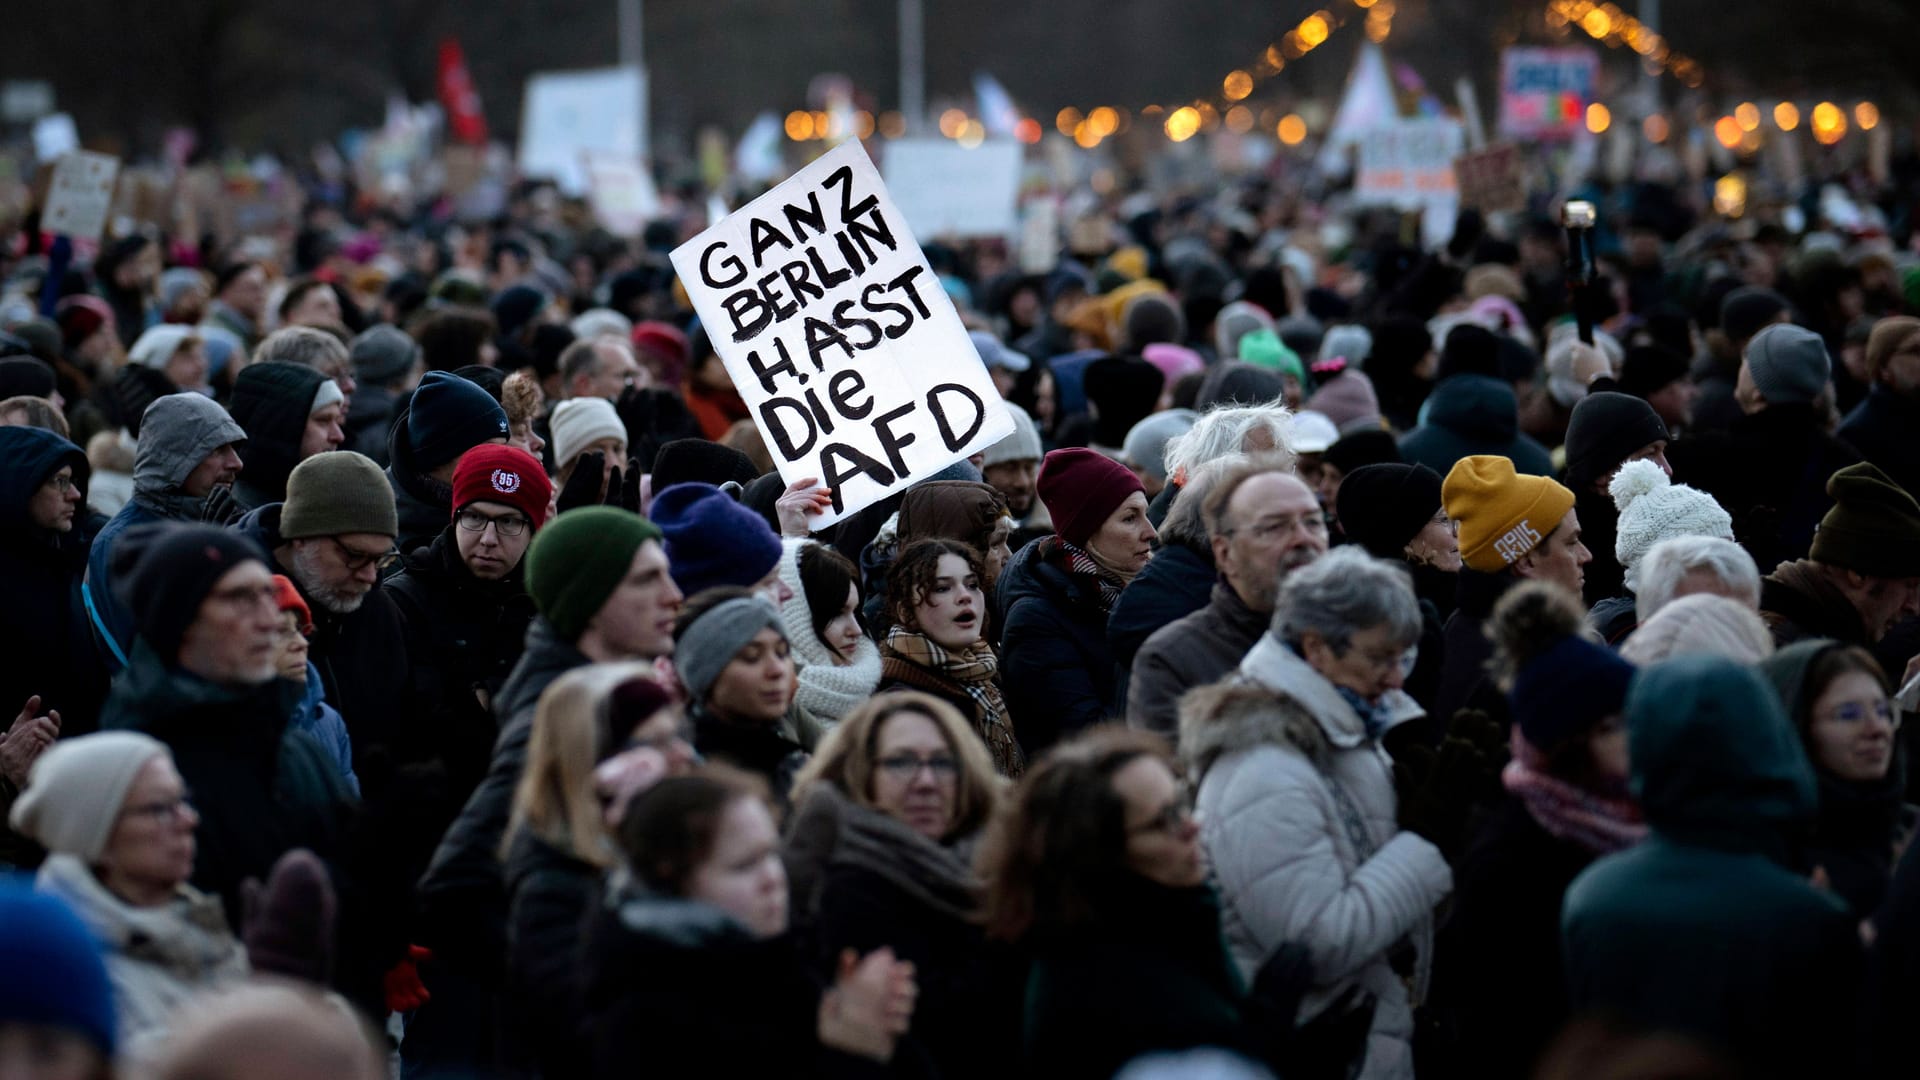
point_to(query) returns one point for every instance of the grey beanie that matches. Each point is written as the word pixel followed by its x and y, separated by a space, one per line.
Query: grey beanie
pixel 1022 445
pixel 1352 343
pixel 710 643
pixel 1789 364
pixel 1146 444
pixel 383 354
pixel 75 790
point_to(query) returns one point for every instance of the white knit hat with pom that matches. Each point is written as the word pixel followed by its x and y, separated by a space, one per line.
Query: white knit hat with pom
pixel 1653 508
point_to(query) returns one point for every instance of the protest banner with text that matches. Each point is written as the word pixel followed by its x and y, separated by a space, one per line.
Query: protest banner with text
pixel 839 337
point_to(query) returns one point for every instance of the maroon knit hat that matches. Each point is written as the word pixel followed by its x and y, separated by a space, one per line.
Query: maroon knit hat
pixel 502 474
pixel 1080 488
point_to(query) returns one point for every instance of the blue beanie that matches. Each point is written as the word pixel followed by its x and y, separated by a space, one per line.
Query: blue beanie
pixel 1567 689
pixel 450 416
pixel 713 540
pixel 55 976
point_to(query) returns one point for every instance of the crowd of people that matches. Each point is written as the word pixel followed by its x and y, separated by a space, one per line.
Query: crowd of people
pixel 1360 661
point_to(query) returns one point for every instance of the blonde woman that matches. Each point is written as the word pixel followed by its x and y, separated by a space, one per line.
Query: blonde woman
pixel 559 843
pixel 878 853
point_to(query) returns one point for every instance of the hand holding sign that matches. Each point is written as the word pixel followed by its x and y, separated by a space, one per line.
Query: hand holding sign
pixel 803 499
pixel 839 337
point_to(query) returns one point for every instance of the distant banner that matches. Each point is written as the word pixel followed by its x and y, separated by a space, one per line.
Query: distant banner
pixel 943 188
pixel 838 336
pixel 1544 93
pixel 568 114
pixel 1408 164
pixel 80 195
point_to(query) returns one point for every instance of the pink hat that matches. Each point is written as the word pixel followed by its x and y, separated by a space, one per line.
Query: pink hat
pixel 1345 398
pixel 1174 361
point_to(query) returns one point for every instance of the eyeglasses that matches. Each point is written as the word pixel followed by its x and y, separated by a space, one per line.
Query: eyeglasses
pixel 1315 523
pixel 162 812
pixel 1172 817
pixel 61 483
pixel 248 597
pixel 360 560
pixel 508 525
pixel 1854 712
pixel 904 767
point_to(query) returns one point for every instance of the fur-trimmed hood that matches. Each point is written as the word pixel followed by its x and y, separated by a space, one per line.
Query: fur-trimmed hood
pixel 1274 698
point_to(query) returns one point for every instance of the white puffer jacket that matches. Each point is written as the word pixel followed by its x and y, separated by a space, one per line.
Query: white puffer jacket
pixel 1297 812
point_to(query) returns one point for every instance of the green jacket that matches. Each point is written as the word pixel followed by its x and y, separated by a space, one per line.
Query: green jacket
pixel 1702 930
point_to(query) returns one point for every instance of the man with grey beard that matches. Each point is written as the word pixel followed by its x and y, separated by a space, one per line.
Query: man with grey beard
pixel 333 537
pixel 1264 523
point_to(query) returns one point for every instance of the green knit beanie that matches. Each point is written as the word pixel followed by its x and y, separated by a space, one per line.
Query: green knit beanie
pixel 1873 528
pixel 336 493
pixel 578 559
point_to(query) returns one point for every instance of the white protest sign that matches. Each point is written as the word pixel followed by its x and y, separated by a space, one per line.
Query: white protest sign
pixel 622 193
pixel 570 113
pixel 80 194
pixel 54 135
pixel 839 337
pixel 1408 164
pixel 943 188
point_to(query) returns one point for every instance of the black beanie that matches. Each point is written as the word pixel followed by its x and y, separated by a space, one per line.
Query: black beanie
pixel 1745 311
pixel 450 415
pixel 1648 369
pixel 25 375
pixel 1362 448
pixel 135 387
pixel 1124 391
pixel 699 461
pixel 1873 528
pixel 1470 349
pixel 1604 429
pixel 1383 507
pixel 163 572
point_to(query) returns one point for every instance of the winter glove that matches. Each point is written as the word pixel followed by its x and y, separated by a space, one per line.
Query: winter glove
pixel 1487 736
pixel 405 991
pixel 218 508
pixel 623 486
pixel 1439 797
pixel 288 925
pixel 583 487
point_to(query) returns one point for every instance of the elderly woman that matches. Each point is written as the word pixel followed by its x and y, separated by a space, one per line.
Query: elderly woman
pixel 559 844
pixel 1053 601
pixel 113 814
pixel 731 651
pixel 1298 805
pixel 1393 510
pixel 878 854
pixel 1836 697
pixel 837 663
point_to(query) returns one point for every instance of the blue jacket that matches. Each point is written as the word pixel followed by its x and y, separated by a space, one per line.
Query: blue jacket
pixel 1056 668
pixel 1177 583
pixel 322 721
pixel 1473 414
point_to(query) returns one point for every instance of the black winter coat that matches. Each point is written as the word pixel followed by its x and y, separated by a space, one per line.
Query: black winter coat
pixel 1177 583
pixel 1057 670
pixel 1769 471
pixel 46 643
pixel 424 505
pixel 261 787
pixel 1500 990
pixel 1881 428
pixel 550 896
pixel 675 988
pixel 463 898
pixel 1464 682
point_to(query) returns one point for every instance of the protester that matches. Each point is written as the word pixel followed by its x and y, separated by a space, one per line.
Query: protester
pixel 1651 510
pixel 1700 623
pixel 184 469
pixel 1179 579
pixel 176 352
pixel 1011 466
pixel 886 816
pixel 289 413
pixel 1703 928
pixel 1836 698
pixel 1372 446
pixel 837 664
pixel 446 417
pixel 1468 415
pixel 43 554
pixel 1687 565
pixel 936 643
pixel 57 1008
pixel 1607 431
pixel 1256 429
pixel 690 967
pixel 731 653
pixel 1263 524
pixel 1394 511
pixel 586 430
pixel 113 814
pixel 1877 427
pixel 387 365
pixel 270 1029
pixel 1498 977
pixel 1297 804
pixel 711 540
pixel 313 715
pixel 1055 596
pixel 1862 573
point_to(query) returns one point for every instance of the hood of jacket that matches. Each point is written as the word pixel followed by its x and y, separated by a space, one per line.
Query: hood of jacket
pixel 1715 760
pixel 425 504
pixel 1036 572
pixel 1275 698
pixel 177 433
pixel 274 414
pixel 1480 408
pixel 187 937
pixel 32 455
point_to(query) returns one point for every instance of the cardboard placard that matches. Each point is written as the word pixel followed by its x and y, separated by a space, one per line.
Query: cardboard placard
pixel 1493 180
pixel 839 337
pixel 81 194
pixel 945 189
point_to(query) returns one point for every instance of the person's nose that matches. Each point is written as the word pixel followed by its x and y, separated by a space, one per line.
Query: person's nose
pixel 188 816
pixel 1395 680
pixel 1581 555
pixel 369 573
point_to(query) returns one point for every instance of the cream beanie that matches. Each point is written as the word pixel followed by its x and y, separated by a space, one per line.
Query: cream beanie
pixel 577 423
pixel 1700 623
pixel 75 791
pixel 1653 508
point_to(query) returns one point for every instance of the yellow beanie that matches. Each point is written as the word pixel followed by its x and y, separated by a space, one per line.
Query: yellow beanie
pixel 1501 515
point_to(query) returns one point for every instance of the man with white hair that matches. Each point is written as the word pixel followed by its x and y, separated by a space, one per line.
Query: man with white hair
pixel 1240 429
pixel 1686 565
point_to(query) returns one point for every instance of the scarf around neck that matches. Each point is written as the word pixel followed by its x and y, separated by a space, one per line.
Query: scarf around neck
pixel 976 671
pixel 831 691
pixel 1082 563
pixel 1602 824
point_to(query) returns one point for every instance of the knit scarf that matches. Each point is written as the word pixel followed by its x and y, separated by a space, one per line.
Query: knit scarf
pixel 1377 715
pixel 1599 823
pixel 831 691
pixel 1081 563
pixel 976 670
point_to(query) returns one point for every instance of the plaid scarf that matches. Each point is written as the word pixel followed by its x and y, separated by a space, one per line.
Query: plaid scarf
pixel 1082 564
pixel 1602 824
pixel 976 670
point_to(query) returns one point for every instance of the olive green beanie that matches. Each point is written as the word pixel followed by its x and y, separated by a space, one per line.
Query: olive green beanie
pixel 578 559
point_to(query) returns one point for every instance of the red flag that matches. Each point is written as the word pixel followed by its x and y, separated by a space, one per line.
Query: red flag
pixel 464 119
